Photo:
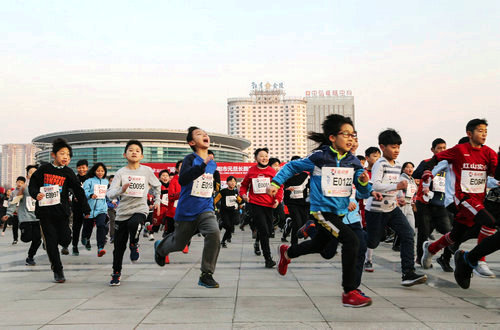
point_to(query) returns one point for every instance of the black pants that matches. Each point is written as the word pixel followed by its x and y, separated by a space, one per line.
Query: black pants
pixel 169 225
pixel 14 221
pixel 263 220
pixel 331 227
pixel 57 232
pixel 299 215
pixel 430 217
pixel 30 232
pixel 102 230
pixel 124 230
pixel 487 246
pixel 77 226
pixel 228 219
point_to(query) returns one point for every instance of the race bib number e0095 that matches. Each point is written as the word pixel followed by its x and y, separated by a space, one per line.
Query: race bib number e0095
pixel 473 182
pixel 438 184
pixel 203 186
pixel 337 181
pixel 137 186
pixel 259 185
pixel 100 190
pixel 51 196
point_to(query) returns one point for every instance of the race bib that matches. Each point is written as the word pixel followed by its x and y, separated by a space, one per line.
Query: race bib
pixel 438 184
pixel 137 186
pixel 388 203
pixel 473 182
pixel 164 199
pixel 231 201
pixel 30 204
pixel 100 191
pixel 259 185
pixel 411 190
pixel 175 203
pixel 203 186
pixel 297 192
pixel 5 203
pixel 51 196
pixel 337 181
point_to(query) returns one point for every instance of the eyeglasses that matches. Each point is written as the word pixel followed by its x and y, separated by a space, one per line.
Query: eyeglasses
pixel 346 135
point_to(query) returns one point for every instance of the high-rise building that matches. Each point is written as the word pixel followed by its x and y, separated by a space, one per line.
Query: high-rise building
pixel 15 158
pixel 269 119
pixel 321 103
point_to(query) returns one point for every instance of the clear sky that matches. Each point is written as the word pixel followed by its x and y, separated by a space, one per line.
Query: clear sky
pixel 422 67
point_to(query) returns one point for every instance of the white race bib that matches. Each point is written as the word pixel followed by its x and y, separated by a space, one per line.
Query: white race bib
pixel 5 203
pixel 175 203
pixel 260 184
pixel 100 191
pixel 337 181
pixel 51 196
pixel 438 184
pixel 231 201
pixel 388 203
pixel 30 204
pixel 164 199
pixel 137 186
pixel 203 186
pixel 473 182
pixel 297 192
pixel 411 190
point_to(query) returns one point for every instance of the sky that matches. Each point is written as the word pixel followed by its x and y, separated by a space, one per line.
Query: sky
pixel 424 68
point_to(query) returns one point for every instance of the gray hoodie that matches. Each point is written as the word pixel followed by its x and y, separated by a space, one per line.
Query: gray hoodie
pixel 25 206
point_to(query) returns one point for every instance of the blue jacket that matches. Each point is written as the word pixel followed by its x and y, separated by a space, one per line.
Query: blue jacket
pixel 326 156
pixel 97 206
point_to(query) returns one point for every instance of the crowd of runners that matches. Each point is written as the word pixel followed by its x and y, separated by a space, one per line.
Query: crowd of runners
pixel 331 196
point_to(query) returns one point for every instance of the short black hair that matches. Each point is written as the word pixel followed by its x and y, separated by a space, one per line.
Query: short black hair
pixel 256 152
pixel 331 126
pixel 29 167
pixel 163 171
pixel 361 157
pixel 134 142
pixel 437 141
pixel 179 162
pixel 371 150
pixel 21 178
pixel 294 158
pixel 471 125
pixel 189 136
pixel 60 143
pixel 229 178
pixel 406 164
pixel 82 162
pixel 94 168
pixel 389 136
pixel 463 140
pixel 273 160
pixel 210 152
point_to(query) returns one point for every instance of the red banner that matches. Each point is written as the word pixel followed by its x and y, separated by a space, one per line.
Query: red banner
pixel 238 170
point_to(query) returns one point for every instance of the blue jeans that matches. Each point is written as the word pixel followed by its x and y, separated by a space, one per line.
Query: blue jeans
pixel 375 226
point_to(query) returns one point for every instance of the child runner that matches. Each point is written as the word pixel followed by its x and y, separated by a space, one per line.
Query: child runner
pixel 50 185
pixel 12 204
pixel 174 192
pixel 95 188
pixel 195 210
pixel 405 199
pixel 229 210
pixel 131 185
pixel 159 219
pixel 82 167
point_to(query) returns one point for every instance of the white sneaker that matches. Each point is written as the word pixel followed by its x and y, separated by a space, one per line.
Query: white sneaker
pixel 151 237
pixel 426 260
pixel 483 270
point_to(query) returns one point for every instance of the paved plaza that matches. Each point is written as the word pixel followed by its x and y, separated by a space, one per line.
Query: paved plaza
pixel 250 295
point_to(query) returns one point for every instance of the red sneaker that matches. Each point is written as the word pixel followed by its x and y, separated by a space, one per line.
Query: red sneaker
pixel 355 299
pixel 167 260
pixel 283 261
pixel 186 249
pixel 101 252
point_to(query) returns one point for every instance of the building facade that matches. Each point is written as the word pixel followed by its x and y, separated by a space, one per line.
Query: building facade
pixel 322 103
pixel 160 146
pixel 15 158
pixel 269 119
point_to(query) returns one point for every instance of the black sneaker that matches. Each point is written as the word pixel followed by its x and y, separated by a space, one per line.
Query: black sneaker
pixel 64 251
pixel 88 246
pixel 256 249
pixel 284 240
pixel 463 271
pixel 223 244
pixel 115 279
pixel 134 253
pixel 445 264
pixel 411 278
pixel 270 263
pixel 30 262
pixel 75 251
pixel 14 242
pixel 229 240
pixel 59 277
pixel 159 259
pixel 207 281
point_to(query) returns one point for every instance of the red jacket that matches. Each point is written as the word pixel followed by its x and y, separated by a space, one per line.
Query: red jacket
pixel 248 188
pixel 174 191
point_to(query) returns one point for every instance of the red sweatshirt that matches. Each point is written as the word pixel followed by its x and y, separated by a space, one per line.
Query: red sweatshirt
pixel 174 191
pixel 255 183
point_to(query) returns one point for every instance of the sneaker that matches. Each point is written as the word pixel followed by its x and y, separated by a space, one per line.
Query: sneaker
pixel 75 251
pixel 411 278
pixel 14 242
pixel 64 251
pixel 134 253
pixel 167 260
pixel 161 261
pixel 426 261
pixel 59 277
pixel 84 241
pixel 115 279
pixel 283 261
pixel 483 270
pixel 362 293
pixel 288 224
pixel 88 246
pixel 355 299
pixel 284 240
pixel 463 271
pixel 229 240
pixel 307 230
pixel 101 252
pixel 242 227
pixel 223 244
pixel 186 249
pixel 111 240
pixel 445 264
pixel 151 237
pixel 30 262
pixel 270 263
pixel 207 281
pixel 368 267
pixel 256 249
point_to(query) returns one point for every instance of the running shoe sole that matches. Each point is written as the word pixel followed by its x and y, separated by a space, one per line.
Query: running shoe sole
pixel 420 280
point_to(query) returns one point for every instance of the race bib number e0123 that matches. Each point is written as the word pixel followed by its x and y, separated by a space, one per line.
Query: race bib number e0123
pixel 337 181
pixel 51 196
pixel 473 182
pixel 100 190
pixel 203 186
pixel 260 184
pixel 137 186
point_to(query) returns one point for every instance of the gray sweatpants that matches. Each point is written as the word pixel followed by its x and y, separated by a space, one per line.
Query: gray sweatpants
pixel 207 224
